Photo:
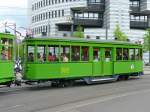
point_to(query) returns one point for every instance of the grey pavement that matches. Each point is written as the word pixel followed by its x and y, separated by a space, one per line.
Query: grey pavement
pixel 108 97
pixel 146 70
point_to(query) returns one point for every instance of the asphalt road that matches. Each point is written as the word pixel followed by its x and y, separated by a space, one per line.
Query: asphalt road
pixel 122 96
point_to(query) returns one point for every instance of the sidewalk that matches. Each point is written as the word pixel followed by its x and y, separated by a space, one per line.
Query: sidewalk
pixel 147 70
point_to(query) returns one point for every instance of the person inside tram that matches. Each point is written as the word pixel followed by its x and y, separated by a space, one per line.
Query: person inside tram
pixel 30 57
pixel 39 57
pixel 76 54
pixel 125 56
pixel 96 58
pixel 44 57
pixel 107 56
pixel 3 53
pixel 65 58
pixel 50 57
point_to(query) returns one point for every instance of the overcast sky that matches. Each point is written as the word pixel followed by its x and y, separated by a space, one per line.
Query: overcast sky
pixel 13 11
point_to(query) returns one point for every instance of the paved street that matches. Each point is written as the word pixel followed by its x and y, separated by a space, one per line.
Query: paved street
pixel 122 96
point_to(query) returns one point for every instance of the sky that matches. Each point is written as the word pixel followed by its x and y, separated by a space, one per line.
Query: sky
pixel 13 11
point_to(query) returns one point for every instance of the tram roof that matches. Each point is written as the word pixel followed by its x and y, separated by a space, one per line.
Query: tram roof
pixel 6 35
pixel 73 39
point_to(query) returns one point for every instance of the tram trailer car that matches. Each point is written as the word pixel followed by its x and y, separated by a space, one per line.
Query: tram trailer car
pixel 6 59
pixel 65 60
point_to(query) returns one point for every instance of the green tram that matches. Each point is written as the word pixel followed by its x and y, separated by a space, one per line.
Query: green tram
pixel 66 59
pixel 6 59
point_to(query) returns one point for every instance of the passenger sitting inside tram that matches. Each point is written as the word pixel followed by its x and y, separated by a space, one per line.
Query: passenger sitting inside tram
pixel 50 57
pixel 30 57
pixel 64 58
pixel 96 58
pixel 39 57
pixel 3 53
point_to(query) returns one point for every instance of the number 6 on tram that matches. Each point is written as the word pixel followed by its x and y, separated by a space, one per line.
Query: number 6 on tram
pixel 64 60
pixel 6 59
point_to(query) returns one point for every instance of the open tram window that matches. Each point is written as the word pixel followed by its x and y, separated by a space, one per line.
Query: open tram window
pixel 9 53
pixel 119 54
pixel 65 53
pixel 75 50
pixel 125 54
pixel 4 53
pixel 31 53
pixel 141 54
pixel 5 41
pixel 85 54
pixel 41 53
pixel 132 54
pixel 108 54
pixel 96 54
pixel 137 54
pixel 53 53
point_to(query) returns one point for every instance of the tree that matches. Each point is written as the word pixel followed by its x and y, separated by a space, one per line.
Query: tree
pixel 79 33
pixel 119 35
pixel 147 42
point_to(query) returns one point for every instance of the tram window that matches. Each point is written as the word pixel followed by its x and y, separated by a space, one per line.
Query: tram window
pixel 96 54
pixel 75 53
pixel 132 56
pixel 85 53
pixel 30 53
pixel 141 54
pixel 119 54
pixel 125 54
pixel 4 41
pixel 41 53
pixel 53 53
pixel 65 53
pixel 9 53
pixel 137 54
pixel 107 54
pixel 4 53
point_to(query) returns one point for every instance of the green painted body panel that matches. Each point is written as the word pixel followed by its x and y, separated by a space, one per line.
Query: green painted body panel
pixel 107 68
pixel 56 70
pixel 6 72
pixel 128 67
pixel 97 68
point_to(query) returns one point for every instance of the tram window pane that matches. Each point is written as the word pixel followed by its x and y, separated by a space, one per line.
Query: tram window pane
pixel 41 53
pixel 4 53
pixel 75 53
pixel 96 54
pixel 30 53
pixel 125 54
pixel 107 54
pixel 137 54
pixel 85 53
pixel 141 54
pixel 65 53
pixel 119 54
pixel 132 57
pixel 10 53
pixel 4 41
pixel 53 53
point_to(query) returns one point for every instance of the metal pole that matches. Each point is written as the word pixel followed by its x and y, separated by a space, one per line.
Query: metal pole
pixel 106 29
pixel 149 37
pixel 15 41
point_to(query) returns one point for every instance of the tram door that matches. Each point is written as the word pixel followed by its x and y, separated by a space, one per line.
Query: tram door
pixel 107 63
pixel 97 62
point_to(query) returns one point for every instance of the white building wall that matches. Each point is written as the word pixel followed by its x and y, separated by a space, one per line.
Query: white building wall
pixel 66 6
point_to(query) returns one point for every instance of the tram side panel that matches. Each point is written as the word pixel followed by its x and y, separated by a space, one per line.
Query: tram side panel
pixel 6 72
pixel 57 71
